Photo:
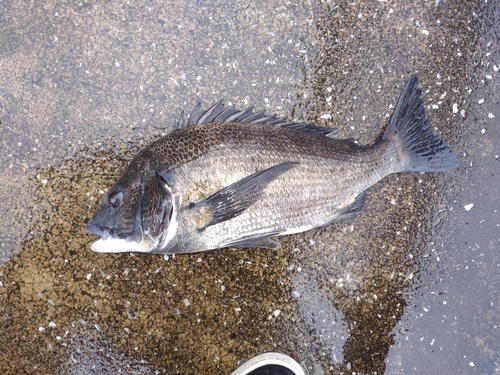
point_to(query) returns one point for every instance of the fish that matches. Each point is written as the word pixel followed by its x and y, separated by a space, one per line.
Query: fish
pixel 225 177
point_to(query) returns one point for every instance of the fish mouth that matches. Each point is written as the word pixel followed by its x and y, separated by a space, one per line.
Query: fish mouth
pixel 98 230
pixel 110 244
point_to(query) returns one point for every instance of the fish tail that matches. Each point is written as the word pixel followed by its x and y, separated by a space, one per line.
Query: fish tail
pixel 419 149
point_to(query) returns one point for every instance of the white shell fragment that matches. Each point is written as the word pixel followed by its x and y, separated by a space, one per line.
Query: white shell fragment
pixel 468 207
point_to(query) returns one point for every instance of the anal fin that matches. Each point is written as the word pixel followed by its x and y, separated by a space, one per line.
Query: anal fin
pixel 352 210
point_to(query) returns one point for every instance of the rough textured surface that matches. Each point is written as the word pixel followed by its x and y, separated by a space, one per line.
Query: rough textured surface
pixel 410 286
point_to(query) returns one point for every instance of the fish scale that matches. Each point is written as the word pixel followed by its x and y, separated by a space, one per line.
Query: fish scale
pixel 309 195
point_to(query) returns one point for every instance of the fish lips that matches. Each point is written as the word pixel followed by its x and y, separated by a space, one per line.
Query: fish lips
pixel 98 230
pixel 111 244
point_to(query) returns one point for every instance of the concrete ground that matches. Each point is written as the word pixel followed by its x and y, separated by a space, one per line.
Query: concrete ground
pixel 411 286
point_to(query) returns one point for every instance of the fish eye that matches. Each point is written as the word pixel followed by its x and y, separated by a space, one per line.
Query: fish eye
pixel 115 199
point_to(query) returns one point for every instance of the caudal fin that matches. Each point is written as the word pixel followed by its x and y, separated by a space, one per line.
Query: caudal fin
pixel 422 151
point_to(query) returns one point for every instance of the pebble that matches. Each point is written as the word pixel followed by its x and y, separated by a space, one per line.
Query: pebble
pixel 174 81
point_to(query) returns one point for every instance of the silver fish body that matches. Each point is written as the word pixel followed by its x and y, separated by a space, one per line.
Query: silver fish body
pixel 239 178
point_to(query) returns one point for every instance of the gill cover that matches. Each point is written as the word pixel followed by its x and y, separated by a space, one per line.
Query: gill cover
pixel 167 236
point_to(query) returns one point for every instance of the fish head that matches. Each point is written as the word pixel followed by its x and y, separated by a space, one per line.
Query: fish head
pixel 136 214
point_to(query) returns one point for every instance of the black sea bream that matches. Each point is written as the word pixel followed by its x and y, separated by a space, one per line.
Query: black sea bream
pixel 229 178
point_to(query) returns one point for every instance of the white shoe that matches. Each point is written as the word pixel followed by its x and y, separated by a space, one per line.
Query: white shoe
pixel 269 364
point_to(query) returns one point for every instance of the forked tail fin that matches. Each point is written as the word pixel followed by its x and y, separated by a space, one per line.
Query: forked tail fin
pixel 422 151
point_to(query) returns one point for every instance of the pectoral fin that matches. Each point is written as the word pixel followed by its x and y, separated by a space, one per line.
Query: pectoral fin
pixel 234 199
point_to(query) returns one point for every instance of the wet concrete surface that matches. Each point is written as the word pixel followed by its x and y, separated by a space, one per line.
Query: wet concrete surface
pixel 411 286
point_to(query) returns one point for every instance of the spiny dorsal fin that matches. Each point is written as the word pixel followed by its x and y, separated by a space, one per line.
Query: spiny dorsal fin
pixel 181 122
pixel 218 113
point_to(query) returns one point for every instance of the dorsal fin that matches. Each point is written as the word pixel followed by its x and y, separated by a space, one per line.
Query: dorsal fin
pixel 196 114
pixel 181 122
pixel 218 113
